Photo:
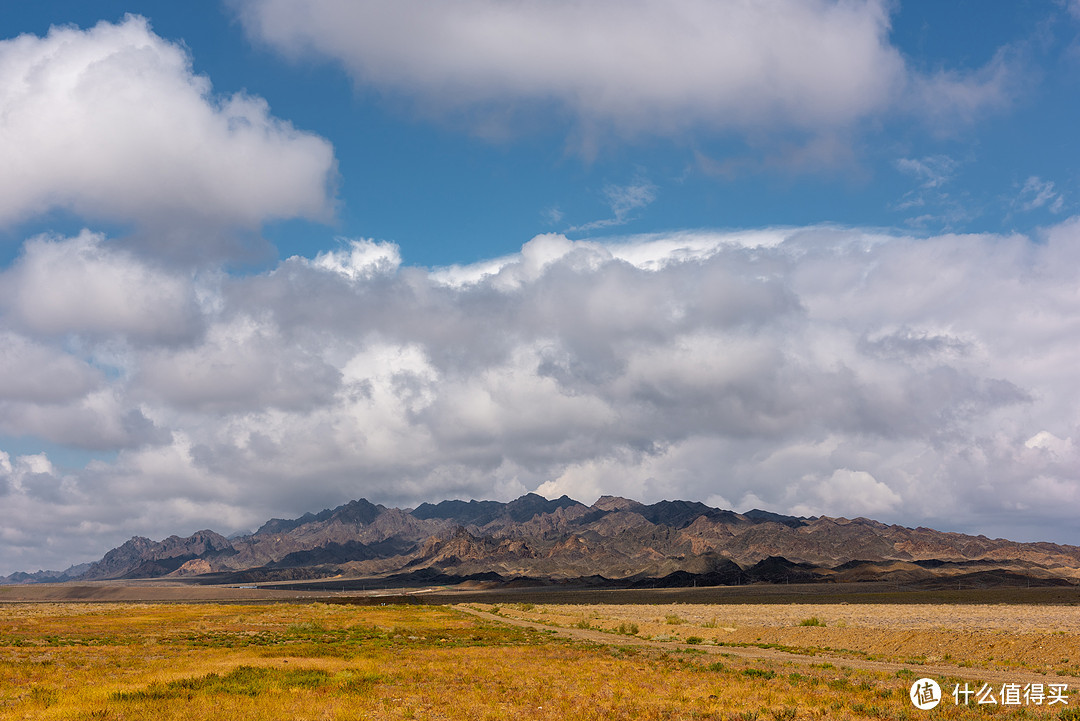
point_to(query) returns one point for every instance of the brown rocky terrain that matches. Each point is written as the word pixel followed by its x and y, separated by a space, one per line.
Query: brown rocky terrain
pixel 615 541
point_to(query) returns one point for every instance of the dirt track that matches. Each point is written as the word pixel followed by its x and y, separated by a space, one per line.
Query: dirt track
pixel 752 652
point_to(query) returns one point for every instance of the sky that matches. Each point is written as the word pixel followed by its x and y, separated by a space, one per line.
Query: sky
pixel 259 258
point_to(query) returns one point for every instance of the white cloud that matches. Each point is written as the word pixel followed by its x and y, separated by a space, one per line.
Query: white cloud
pixel 854 492
pixel 932 171
pixel 1039 193
pixel 111 123
pixel 647 252
pixel 819 370
pixel 20 473
pixel 242 364
pixel 623 200
pixel 947 97
pixel 552 215
pixel 363 259
pixel 83 286
pixel 634 67
pixel 1049 442
pixel 102 420
pixel 33 372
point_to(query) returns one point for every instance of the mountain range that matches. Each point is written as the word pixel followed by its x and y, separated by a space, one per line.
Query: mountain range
pixel 614 541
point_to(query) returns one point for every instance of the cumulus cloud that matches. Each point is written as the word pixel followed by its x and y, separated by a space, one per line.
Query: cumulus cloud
pixel 646 66
pixel 104 420
pixel 240 364
pixel 81 286
pixel 33 372
pixel 810 370
pixel 362 259
pixel 112 123
pixel 851 492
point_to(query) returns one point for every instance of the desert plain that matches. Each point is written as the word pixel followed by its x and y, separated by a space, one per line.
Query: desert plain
pixel 254 654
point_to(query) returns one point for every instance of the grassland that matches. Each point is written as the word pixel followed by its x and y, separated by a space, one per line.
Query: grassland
pixel 1040 640
pixel 318 661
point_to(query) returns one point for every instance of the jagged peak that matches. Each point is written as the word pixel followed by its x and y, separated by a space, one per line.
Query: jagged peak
pixel 615 503
pixel 481 513
pixel 759 516
pixel 360 511
pixel 614 533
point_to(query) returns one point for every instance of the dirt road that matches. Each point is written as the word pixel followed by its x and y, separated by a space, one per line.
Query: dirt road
pixel 992 676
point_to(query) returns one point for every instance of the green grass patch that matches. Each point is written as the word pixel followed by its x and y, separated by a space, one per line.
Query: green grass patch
pixel 241 681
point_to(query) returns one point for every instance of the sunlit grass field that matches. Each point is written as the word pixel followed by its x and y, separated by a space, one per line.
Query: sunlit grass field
pixel 1042 639
pixel 318 661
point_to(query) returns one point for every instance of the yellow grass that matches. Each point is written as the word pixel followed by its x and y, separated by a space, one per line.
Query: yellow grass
pixel 316 661
pixel 1044 639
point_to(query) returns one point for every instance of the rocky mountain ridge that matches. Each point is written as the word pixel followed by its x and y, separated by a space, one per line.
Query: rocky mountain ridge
pixel 617 540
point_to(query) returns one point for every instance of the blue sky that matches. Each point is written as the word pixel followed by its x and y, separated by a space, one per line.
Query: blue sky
pixel 258 258
pixel 481 196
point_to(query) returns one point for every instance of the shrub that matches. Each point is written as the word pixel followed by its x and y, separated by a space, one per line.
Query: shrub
pixel 812 621
pixel 241 681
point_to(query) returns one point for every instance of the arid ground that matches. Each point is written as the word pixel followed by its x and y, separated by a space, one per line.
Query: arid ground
pixel 1017 641
pixel 236 654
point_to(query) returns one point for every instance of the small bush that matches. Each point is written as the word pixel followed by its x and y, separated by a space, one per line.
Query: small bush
pixel 694 640
pixel 45 696
pixel 673 620
pixel 241 681
pixel 627 629
pixel 812 621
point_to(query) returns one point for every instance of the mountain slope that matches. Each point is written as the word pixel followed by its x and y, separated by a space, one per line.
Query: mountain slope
pixel 654 545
